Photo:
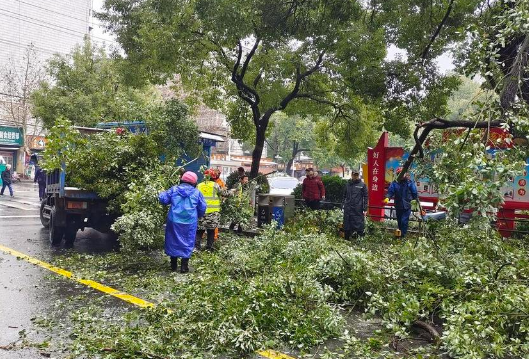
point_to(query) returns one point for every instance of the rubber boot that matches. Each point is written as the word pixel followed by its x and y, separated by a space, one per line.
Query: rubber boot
pixel 174 263
pixel 210 240
pixel 185 265
pixel 198 239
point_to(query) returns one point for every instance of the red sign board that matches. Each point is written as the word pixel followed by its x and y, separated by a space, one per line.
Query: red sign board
pixel 376 166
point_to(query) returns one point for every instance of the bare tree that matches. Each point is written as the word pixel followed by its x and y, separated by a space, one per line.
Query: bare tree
pixel 17 80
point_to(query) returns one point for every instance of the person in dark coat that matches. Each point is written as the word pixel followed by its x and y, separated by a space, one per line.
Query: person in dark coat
pixel 313 190
pixel 40 179
pixel 187 206
pixel 355 206
pixel 6 181
pixel 404 192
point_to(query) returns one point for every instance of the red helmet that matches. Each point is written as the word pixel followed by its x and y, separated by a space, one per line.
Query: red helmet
pixel 209 173
pixel 215 173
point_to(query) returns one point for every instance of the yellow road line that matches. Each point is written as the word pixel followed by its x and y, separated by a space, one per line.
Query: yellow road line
pixel 97 286
pixel 271 354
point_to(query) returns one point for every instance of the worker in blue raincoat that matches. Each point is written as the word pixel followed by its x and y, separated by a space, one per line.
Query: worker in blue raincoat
pixel 187 206
pixel 404 192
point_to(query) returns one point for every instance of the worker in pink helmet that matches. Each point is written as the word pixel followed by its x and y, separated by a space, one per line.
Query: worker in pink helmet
pixel 187 206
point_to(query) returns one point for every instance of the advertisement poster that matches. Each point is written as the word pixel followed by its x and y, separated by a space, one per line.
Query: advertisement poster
pixel 396 158
pixel 517 190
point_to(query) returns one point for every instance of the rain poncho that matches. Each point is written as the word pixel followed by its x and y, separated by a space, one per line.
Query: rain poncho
pixel 187 205
pixel 355 204
pixel 404 192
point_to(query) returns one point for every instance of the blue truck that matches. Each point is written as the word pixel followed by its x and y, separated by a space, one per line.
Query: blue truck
pixel 66 210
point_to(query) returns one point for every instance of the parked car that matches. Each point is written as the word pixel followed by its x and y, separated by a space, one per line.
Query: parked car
pixel 283 185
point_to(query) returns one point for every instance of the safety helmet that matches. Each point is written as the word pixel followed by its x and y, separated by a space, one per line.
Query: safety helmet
pixel 190 177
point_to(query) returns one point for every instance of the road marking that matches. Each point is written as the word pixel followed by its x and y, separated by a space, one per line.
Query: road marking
pixel 98 286
pixel 18 205
pixel 28 216
pixel 271 354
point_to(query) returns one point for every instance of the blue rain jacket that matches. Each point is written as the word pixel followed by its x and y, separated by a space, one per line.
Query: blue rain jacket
pixel 187 205
pixel 403 192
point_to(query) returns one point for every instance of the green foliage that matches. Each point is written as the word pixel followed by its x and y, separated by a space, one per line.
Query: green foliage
pixel 261 181
pixel 140 224
pixel 334 189
pixel 283 288
pixel 247 295
pixel 338 69
pixel 466 99
pixel 237 207
pixel 86 88
pixel 171 129
pixel 128 170
pixel 232 179
pixel 63 140
pixel 466 174
pixel 290 135
pixel 321 222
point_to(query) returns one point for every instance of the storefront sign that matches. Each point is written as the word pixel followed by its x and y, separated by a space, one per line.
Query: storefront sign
pixel 11 136
pixel 36 142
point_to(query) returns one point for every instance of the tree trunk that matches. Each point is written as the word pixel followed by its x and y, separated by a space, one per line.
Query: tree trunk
pixel 260 137
pixel 295 150
pixel 258 150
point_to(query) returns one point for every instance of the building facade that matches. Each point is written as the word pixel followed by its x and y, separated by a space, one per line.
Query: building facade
pixel 48 28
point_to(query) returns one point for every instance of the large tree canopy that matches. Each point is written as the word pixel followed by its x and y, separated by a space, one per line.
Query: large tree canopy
pixel 253 58
pixel 86 88
pixel 496 48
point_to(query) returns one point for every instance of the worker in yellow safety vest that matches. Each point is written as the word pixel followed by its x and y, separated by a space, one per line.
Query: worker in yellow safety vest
pixel 212 193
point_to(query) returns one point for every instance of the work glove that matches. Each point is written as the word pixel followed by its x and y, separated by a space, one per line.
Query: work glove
pixel 414 205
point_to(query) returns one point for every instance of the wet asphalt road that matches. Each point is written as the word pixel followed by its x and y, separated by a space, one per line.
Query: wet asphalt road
pixel 26 290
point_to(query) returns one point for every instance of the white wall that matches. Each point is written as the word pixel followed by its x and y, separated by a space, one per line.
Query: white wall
pixel 52 26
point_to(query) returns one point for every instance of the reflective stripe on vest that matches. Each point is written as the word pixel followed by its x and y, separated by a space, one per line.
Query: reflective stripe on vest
pixel 207 189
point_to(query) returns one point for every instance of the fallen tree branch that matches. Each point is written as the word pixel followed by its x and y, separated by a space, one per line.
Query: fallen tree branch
pixel 439 124
pixel 500 268
pixel 430 329
pixel 140 354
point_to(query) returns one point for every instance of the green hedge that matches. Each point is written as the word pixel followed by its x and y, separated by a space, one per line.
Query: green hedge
pixel 334 188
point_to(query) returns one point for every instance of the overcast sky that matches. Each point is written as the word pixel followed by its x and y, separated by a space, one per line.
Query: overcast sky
pixel 444 62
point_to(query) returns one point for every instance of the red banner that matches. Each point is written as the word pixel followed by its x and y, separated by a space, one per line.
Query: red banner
pixel 376 166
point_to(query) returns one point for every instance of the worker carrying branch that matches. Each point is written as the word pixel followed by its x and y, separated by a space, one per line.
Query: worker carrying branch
pixel 404 192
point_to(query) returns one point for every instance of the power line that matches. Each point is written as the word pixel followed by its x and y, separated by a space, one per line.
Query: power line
pixel 49 27
pixel 9 42
pixel 9 95
pixel 56 12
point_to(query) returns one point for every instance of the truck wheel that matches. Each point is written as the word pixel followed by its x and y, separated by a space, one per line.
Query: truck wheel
pixel 45 221
pixel 69 236
pixel 56 233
